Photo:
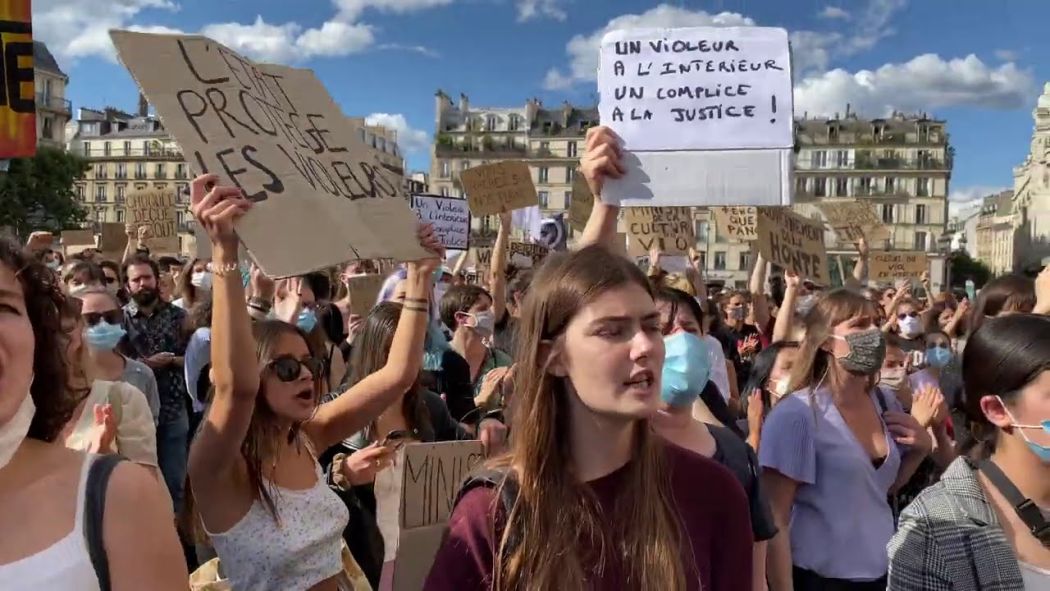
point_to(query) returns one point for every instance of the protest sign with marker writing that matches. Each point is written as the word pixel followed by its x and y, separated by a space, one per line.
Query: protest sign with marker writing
pixel 668 229
pixel 155 209
pixel 275 132
pixel 526 255
pixel 77 241
pixel 498 188
pixel 888 265
pixel 112 240
pixel 581 204
pixel 736 222
pixel 853 220
pixel 793 242
pixel 17 104
pixel 450 218
pixel 364 291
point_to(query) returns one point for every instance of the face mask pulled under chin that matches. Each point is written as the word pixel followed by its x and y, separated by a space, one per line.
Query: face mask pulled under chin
pixel 14 431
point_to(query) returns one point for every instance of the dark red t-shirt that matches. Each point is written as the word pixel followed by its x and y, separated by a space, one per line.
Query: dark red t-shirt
pixel 714 517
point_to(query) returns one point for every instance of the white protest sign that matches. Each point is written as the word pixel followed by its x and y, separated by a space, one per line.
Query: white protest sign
pixel 322 196
pixel 450 218
pixel 705 115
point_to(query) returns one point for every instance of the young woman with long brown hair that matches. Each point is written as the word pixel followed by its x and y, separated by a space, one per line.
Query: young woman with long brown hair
pixel 599 501
pixel 274 522
pixel 830 454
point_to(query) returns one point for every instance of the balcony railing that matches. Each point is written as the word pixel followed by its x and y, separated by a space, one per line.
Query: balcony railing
pixel 900 164
pixel 101 152
pixel 53 103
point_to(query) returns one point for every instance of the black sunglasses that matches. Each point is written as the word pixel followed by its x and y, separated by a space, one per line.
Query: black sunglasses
pixel 111 317
pixel 288 368
pixel 904 315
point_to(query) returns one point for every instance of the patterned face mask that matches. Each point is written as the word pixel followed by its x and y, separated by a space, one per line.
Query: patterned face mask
pixel 867 350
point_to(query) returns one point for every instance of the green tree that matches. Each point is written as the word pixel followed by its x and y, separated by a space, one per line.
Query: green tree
pixel 37 193
pixel 964 267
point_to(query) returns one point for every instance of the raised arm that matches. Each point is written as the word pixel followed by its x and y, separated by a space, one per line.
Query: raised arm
pixel 786 314
pixel 234 367
pixel 498 268
pixel 860 270
pixel 759 303
pixel 600 160
pixel 338 419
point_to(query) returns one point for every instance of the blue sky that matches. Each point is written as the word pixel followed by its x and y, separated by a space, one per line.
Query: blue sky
pixel 973 62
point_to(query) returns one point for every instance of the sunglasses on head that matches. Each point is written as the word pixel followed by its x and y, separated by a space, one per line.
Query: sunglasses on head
pixel 289 369
pixel 904 315
pixel 111 317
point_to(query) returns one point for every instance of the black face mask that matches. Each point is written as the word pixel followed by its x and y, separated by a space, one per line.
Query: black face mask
pixel 145 297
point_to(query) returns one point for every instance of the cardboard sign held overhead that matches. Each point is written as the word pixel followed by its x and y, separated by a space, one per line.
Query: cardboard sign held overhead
pixel 853 220
pixel 77 241
pixel 18 107
pixel 668 229
pixel 276 133
pixel 581 204
pixel 705 115
pixel 364 290
pixel 500 187
pixel 526 255
pixel 737 223
pixel 887 266
pixel 155 208
pixel 793 242
pixel 112 241
pixel 414 498
pixel 450 218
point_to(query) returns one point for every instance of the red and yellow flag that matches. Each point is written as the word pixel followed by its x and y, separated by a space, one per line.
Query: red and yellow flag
pixel 17 98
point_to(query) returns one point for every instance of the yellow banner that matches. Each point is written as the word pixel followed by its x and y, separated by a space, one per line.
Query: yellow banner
pixel 17 98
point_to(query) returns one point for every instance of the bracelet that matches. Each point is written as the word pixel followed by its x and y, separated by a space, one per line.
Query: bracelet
pixel 415 309
pixel 223 269
pixel 260 303
pixel 418 300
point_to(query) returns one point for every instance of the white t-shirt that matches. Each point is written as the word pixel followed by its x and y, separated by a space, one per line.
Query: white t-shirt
pixel 136 433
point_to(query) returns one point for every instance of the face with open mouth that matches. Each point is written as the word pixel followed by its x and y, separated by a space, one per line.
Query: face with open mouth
pixel 612 353
pixel 288 379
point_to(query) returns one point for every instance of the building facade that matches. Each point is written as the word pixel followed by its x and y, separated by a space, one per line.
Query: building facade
pixel 996 226
pixel 127 153
pixel 1031 194
pixel 53 109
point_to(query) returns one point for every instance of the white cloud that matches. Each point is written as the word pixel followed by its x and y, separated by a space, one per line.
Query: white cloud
pixel 350 10
pixel 814 50
pixel 425 51
pixel 78 28
pixel 925 82
pixel 964 196
pixel 1007 55
pixel 530 9
pixel 833 12
pixel 408 138
pixel 583 50
pixel 334 39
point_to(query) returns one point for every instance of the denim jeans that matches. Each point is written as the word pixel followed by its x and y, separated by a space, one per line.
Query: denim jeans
pixel 172 454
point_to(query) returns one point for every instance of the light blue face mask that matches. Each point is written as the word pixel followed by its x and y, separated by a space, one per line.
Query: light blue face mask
pixel 938 356
pixel 104 336
pixel 1042 451
pixel 307 320
pixel 686 369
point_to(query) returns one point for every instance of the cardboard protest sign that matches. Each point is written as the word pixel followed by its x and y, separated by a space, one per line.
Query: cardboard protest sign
pixel 450 217
pixel 276 133
pixel 364 291
pixel 692 105
pixel 414 498
pixel 668 229
pixel 77 241
pixel 793 242
pixel 154 208
pixel 853 220
pixel 886 266
pixel 112 240
pixel 737 223
pixel 526 255
pixel 18 106
pixel 581 204
pixel 500 187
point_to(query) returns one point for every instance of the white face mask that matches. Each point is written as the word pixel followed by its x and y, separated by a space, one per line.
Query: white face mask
pixel 780 387
pixel 201 280
pixel 14 432
pixel 484 323
pixel 910 326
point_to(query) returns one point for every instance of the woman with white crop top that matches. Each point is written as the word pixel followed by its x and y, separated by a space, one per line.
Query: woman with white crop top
pixel 273 521
pixel 43 484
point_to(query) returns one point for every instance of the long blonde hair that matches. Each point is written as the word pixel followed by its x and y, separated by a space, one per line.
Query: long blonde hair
pixel 554 514
pixel 813 362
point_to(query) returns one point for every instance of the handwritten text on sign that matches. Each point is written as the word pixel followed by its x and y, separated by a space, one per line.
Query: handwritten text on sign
pixel 17 108
pixel 155 209
pixel 853 220
pixel 275 132
pixel 736 222
pixel 702 88
pixel 450 218
pixel 667 229
pixel 793 242
pixel 527 255
pixel 433 475
pixel 897 265
pixel 500 187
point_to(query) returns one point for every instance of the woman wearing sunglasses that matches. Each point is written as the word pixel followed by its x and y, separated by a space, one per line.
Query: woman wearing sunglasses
pixel 260 493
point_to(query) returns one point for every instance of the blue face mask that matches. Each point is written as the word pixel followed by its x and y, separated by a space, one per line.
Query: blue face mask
pixel 307 320
pixel 686 369
pixel 938 357
pixel 1042 451
pixel 104 336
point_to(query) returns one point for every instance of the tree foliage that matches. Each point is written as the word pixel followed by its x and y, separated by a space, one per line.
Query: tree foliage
pixel 37 193
pixel 964 267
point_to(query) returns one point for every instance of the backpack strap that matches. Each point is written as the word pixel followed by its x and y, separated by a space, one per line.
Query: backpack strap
pixel 94 512
pixel 1028 511
pixel 502 481
pixel 881 397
